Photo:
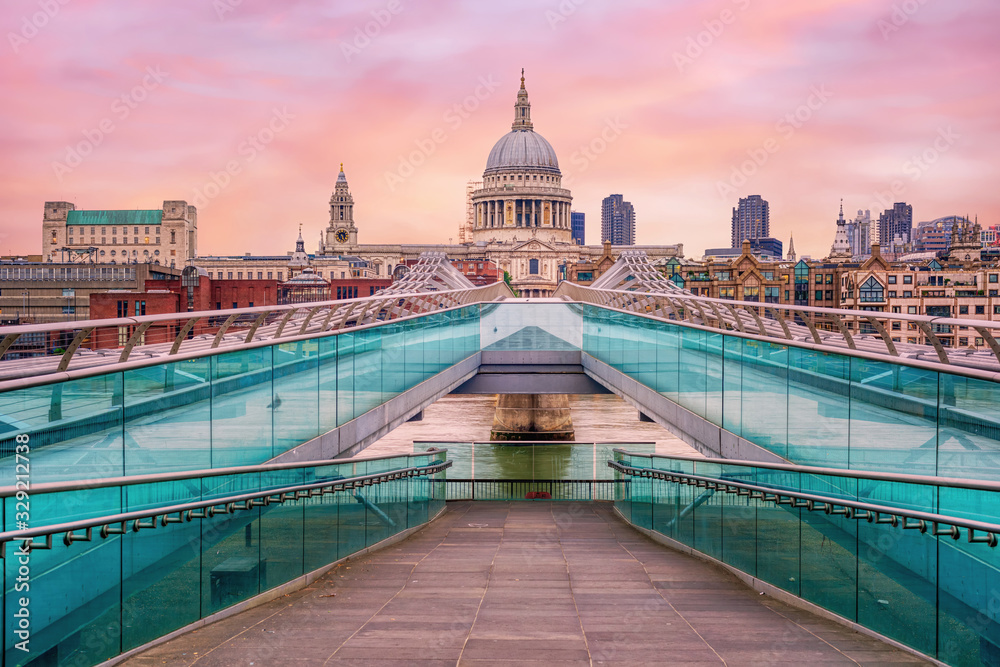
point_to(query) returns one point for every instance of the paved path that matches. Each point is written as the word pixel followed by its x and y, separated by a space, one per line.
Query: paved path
pixel 513 583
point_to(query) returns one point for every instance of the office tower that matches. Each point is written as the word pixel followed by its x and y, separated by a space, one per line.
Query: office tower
pixel 617 221
pixel 895 225
pixel 751 220
pixel 577 225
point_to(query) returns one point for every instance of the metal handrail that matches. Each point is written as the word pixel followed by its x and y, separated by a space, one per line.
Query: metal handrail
pixel 661 300
pixel 116 524
pixel 927 480
pixel 370 310
pixel 180 475
pixel 849 509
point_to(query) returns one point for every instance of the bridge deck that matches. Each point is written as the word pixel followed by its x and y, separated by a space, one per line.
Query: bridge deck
pixel 509 583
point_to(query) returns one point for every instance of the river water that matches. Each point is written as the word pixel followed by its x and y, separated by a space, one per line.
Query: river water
pixel 457 420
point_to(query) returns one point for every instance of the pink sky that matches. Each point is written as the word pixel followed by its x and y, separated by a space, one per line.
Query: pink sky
pixel 885 86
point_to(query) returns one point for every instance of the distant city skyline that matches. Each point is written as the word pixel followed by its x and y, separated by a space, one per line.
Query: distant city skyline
pixel 247 110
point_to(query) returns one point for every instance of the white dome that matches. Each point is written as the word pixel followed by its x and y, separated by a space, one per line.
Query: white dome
pixel 522 148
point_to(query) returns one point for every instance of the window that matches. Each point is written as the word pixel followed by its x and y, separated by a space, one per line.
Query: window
pixel 68 310
pixel 819 279
pixel 68 291
pixel 963 310
pixel 585 275
pixel 963 341
pixel 146 240
pixel 996 310
pixel 722 275
pixel 751 293
pixel 210 275
pixel 280 273
pixel 993 277
pixel 234 305
pixel 819 295
pixel 907 294
pixel 135 230
pixel 912 310
pixel 829 279
pixel 230 275
pixel 251 305
pixel 828 295
pixel 891 280
pixel 993 292
pixel 173 236
pixel 140 307
pixel 727 293
pixel 980 310
pixel 907 280
pixel 892 294
pixel 768 275
pixel 239 274
pixel 260 275
pixel 269 275
pixel 979 341
pixel 123 309
pixel 533 266
pixel 771 294
pixel 871 291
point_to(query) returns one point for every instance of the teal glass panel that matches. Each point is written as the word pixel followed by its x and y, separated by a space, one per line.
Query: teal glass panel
pixel 667 361
pixel 893 417
pixel 739 523
pixel 161 575
pixel 328 383
pixel 897 569
pixel 969 433
pixel 415 370
pixel 242 408
pixel 295 402
pixel 168 417
pixel 765 395
pixel 367 370
pixel 778 537
pixel 321 531
pixel 968 621
pixel 819 405
pixel 713 377
pixel 345 378
pixel 830 550
pixel 393 360
pixel 693 371
pixel 231 566
pixel 74 603
pixel 732 384
pixel 352 524
pixel 82 417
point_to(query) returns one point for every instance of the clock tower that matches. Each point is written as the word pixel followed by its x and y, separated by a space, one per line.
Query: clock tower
pixel 341 234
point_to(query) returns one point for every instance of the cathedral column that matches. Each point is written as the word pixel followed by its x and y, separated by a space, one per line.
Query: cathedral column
pixel 534 213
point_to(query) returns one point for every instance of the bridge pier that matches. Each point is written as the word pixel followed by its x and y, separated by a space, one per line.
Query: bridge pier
pixel 532 417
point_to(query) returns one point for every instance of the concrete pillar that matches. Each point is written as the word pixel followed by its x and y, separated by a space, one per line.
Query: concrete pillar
pixel 532 417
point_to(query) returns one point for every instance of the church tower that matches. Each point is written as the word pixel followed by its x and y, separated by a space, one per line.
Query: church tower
pixel 341 234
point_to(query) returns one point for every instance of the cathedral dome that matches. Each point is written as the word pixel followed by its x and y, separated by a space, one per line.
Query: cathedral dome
pixel 522 148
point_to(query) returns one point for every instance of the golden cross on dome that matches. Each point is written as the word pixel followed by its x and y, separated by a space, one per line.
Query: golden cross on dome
pixel 522 77
pixel 341 166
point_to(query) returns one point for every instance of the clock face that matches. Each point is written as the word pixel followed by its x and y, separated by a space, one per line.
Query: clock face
pixel 342 236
